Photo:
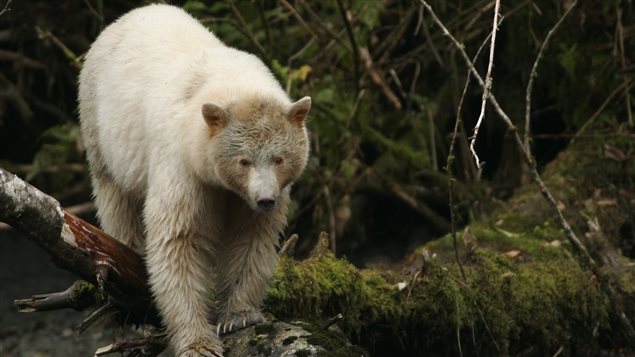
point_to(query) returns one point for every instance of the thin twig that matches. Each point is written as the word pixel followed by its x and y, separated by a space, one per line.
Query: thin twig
pixel 297 16
pixel 329 205
pixel 437 221
pixel 333 320
pixel 5 8
pixel 488 85
pixel 351 37
pixel 248 32
pixel 44 35
pixel 433 48
pixel 450 161
pixel 378 78
pixel 94 11
pixel 620 42
pixel 21 59
pixel 265 24
pixel 534 72
pixel 288 247
pixel 433 144
pixel 320 23
pixel 599 111
pixel 152 345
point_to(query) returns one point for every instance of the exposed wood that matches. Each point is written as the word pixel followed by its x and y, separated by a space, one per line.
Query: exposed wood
pixel 78 296
pixel 75 245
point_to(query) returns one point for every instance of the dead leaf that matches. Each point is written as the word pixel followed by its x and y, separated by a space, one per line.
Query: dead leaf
pixel 561 206
pixel 607 202
pixel 614 153
pixel 553 244
pixel 468 239
pixel 512 253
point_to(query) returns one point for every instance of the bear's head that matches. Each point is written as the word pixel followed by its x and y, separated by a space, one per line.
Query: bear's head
pixel 259 146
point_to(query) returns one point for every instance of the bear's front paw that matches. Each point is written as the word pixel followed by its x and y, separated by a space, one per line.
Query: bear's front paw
pixel 203 347
pixel 239 320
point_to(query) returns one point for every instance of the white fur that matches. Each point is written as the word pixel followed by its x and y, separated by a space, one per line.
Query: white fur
pixel 263 185
pixel 142 87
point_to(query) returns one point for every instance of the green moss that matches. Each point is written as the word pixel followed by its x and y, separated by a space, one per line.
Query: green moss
pixel 504 306
pixel 85 294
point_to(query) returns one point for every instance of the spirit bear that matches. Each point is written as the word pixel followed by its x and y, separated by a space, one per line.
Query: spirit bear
pixel 192 147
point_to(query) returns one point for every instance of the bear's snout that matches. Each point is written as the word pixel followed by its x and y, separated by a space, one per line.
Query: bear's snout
pixel 266 204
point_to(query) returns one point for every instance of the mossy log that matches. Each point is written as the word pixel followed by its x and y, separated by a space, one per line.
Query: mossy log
pixel 524 291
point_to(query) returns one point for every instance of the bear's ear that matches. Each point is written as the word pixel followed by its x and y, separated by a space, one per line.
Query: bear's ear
pixel 298 112
pixel 215 117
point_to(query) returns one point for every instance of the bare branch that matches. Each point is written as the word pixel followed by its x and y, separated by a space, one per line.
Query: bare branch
pixel 600 109
pixel 5 8
pixel 450 160
pixel 534 73
pixel 620 42
pixel 152 345
pixel 378 78
pixel 78 296
pixel 247 31
pixel 488 85
pixel 351 37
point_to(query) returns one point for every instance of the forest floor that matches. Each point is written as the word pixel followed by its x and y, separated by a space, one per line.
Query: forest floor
pixel 25 270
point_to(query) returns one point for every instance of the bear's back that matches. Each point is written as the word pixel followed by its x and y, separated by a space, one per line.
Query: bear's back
pixel 130 75
pixel 144 81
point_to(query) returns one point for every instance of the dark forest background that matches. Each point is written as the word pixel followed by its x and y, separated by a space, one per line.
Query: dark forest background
pixel 376 180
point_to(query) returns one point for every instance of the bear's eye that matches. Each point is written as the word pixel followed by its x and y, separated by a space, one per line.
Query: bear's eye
pixel 277 160
pixel 244 162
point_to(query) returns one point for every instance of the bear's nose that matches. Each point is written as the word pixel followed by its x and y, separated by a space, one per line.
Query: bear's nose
pixel 266 204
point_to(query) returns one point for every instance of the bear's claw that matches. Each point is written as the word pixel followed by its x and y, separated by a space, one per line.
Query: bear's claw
pixel 239 320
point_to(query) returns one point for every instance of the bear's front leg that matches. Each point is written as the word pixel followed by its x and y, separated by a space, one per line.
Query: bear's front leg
pixel 177 261
pixel 247 266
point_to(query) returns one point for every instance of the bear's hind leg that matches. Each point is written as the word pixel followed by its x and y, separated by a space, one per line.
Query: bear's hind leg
pixel 119 213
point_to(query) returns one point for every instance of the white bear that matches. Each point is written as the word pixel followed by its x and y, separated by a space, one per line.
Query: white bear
pixel 192 147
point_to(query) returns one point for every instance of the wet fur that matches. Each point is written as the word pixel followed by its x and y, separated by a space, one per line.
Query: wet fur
pixel 172 188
